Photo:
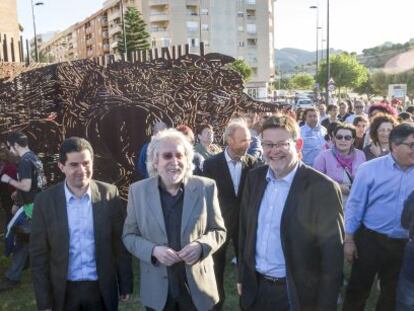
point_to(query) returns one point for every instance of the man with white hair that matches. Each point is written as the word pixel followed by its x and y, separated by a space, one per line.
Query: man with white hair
pixel 229 169
pixel 173 226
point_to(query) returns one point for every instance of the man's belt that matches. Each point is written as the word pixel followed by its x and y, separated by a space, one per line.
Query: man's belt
pixel 273 280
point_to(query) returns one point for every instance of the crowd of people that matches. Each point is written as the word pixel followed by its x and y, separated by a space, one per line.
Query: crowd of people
pixel 295 193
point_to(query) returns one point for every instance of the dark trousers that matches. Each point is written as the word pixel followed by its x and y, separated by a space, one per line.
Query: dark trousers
pixel 83 296
pixel 377 254
pixel 405 290
pixel 270 296
pixel 219 258
pixel 181 303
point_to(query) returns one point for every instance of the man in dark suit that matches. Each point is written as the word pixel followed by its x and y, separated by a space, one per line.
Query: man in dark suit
pixel 76 250
pixel 291 229
pixel 229 169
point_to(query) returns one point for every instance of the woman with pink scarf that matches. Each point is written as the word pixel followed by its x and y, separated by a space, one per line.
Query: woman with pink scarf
pixel 341 161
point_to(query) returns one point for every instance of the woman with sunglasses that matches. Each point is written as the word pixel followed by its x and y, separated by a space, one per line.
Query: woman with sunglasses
pixel 341 161
pixel 379 132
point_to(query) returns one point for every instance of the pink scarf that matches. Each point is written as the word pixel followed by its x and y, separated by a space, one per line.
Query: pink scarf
pixel 344 160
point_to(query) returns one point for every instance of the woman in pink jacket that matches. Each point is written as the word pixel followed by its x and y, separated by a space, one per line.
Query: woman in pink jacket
pixel 341 161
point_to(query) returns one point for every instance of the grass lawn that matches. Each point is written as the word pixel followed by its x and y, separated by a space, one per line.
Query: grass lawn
pixel 22 298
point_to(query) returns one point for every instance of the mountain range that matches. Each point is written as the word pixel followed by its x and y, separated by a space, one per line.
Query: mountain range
pixel 289 60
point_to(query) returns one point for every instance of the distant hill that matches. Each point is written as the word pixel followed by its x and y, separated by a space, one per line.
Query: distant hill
pixel 378 56
pixel 291 60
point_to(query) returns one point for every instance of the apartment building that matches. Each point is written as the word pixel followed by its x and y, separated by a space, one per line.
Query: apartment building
pixel 239 28
pixel 9 27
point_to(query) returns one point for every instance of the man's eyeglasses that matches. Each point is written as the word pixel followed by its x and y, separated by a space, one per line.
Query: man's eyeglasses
pixel 170 155
pixel 282 144
pixel 359 107
pixel 341 137
pixel 409 145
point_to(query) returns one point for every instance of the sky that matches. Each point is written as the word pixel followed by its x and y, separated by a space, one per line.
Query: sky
pixel 354 24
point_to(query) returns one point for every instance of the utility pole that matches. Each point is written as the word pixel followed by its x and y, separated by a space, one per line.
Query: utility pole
pixel 328 65
pixel 123 30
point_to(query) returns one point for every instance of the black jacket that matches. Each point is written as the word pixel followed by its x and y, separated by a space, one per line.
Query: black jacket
pixel 312 239
pixel 216 168
pixel 49 246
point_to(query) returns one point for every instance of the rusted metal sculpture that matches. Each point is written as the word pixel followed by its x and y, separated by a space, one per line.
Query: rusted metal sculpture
pixel 113 104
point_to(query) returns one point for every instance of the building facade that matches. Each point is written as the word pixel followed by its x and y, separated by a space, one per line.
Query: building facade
pixel 242 29
pixel 9 27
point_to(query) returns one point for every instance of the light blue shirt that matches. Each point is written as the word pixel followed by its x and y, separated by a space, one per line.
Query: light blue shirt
pixel 377 197
pixel 270 259
pixel 82 261
pixel 313 142
pixel 235 169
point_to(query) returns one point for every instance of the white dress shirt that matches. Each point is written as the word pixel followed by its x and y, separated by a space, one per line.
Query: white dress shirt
pixel 235 169
pixel 270 259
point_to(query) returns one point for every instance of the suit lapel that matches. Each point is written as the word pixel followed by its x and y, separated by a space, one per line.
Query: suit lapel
pixel 62 217
pixel 191 197
pixel 296 189
pixel 245 169
pixel 259 191
pixel 98 215
pixel 154 202
pixel 226 173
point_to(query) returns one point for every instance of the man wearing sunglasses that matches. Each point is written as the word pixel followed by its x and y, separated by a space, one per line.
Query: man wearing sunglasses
pixel 173 226
pixel 374 237
pixel 359 112
pixel 291 229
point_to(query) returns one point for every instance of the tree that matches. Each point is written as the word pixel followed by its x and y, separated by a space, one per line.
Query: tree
pixel 136 33
pixel 346 71
pixel 366 88
pixel 242 68
pixel 302 81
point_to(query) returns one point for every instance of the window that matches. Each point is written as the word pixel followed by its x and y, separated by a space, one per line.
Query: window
pixel 251 28
pixel 240 14
pixel 192 26
pixel 204 27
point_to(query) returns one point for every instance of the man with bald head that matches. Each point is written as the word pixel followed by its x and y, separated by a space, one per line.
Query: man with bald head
pixel 229 169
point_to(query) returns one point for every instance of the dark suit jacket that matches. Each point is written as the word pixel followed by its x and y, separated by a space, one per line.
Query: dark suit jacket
pixel 49 246
pixel 216 168
pixel 312 239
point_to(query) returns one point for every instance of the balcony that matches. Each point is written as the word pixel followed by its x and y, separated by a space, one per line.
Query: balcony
pixel 158 17
pixel 158 2
pixel 114 29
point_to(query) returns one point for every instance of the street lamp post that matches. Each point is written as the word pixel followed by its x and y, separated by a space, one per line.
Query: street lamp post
pixel 123 30
pixel 317 38
pixel 328 65
pixel 34 29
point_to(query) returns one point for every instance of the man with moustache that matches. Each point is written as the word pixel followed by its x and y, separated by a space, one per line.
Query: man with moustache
pixel 291 229
pixel 77 258
pixel 229 169
pixel 173 226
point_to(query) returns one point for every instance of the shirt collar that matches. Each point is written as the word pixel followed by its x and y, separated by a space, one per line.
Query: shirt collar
pixel 227 156
pixel 394 164
pixel 316 128
pixel 69 195
pixel 288 178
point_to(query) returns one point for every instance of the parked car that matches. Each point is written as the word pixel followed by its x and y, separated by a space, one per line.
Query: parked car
pixel 304 102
